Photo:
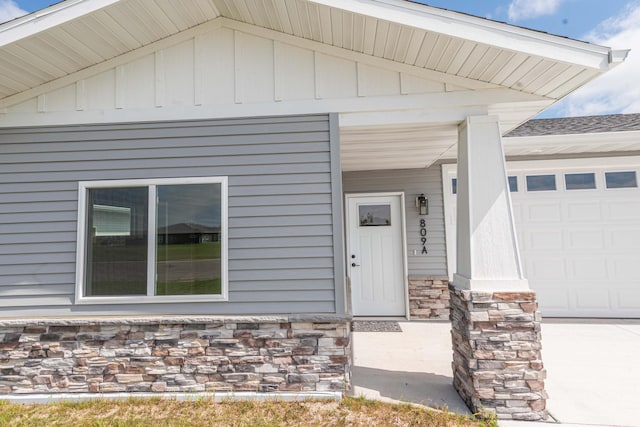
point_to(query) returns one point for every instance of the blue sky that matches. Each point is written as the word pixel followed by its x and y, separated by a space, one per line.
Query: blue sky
pixel 613 23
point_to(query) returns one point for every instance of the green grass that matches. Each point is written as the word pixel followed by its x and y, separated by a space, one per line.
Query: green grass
pixel 205 412
pixel 197 287
pixel 193 251
pixel 188 251
pixel 119 288
pixel 130 260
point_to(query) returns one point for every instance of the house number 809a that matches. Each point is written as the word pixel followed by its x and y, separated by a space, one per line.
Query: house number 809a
pixel 423 236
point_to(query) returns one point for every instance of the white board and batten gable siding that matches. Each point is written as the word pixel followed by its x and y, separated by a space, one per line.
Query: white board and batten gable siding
pixel 216 71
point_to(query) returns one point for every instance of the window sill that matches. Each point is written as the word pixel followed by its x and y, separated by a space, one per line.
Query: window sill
pixel 143 299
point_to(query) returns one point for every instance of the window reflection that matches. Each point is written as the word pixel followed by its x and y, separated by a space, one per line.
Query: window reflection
pixel 374 215
pixel 580 181
pixel 541 182
pixel 621 179
pixel 117 247
pixel 188 239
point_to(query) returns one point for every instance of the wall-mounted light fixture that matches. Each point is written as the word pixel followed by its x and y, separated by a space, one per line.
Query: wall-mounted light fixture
pixel 422 204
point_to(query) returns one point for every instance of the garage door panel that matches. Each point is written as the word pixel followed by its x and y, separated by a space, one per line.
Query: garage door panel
pixel 547 269
pixel 585 239
pixel 624 210
pixel 556 297
pixel 592 299
pixel 625 269
pixel 625 238
pixel 584 211
pixel 544 240
pixel 629 299
pixel 543 212
pixel 589 269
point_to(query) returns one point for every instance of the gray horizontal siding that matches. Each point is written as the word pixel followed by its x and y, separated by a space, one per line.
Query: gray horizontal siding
pixel 281 224
pixel 412 182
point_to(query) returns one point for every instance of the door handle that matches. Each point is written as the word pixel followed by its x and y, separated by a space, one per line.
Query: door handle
pixel 353 264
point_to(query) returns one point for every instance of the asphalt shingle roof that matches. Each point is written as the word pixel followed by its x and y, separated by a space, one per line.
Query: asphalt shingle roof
pixel 577 125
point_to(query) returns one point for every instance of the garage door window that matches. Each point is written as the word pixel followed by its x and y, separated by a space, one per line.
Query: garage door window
pixel 621 179
pixel 541 183
pixel 580 181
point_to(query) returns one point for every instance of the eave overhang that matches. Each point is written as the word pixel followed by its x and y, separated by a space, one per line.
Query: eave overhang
pixel 77 34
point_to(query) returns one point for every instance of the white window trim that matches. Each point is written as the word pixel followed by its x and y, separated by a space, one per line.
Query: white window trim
pixel 81 246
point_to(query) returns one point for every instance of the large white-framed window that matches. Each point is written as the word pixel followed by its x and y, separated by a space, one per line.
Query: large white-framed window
pixel 152 240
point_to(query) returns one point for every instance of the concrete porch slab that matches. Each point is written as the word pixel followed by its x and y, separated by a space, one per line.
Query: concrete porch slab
pixel 411 366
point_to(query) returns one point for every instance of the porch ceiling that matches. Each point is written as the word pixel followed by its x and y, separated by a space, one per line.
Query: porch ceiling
pixel 395 147
pixel 419 146
pixel 76 34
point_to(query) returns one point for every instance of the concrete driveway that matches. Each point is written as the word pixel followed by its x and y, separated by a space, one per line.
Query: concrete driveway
pixel 593 369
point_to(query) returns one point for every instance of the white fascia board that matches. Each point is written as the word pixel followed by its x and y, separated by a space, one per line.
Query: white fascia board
pixel 447 106
pixel 480 30
pixel 436 114
pixel 598 161
pixel 583 139
pixel 408 117
pixel 50 17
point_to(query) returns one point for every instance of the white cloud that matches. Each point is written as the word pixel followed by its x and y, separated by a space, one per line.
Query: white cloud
pixel 10 10
pixel 526 9
pixel 618 90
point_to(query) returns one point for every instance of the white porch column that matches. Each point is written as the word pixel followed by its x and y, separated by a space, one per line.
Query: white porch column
pixel 487 251
pixel 497 363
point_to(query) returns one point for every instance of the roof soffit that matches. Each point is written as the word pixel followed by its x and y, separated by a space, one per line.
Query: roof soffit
pixel 416 37
pixel 479 30
pixel 458 88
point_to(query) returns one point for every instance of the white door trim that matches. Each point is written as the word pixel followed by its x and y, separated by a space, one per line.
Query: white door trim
pixel 403 232
pixel 449 171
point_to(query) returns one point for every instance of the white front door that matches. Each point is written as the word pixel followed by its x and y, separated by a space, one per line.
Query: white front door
pixel 376 255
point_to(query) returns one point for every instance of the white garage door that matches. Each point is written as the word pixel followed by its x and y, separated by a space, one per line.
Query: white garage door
pixel 578 225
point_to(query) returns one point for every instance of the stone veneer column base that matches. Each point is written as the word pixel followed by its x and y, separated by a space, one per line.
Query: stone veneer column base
pixel 428 298
pixel 294 353
pixel 497 364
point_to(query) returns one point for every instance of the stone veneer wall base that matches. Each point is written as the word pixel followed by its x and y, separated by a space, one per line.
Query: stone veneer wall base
pixel 497 363
pixel 429 298
pixel 295 353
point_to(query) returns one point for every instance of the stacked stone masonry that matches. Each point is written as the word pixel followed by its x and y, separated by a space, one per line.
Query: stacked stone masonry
pixel 429 298
pixel 497 363
pixel 175 355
